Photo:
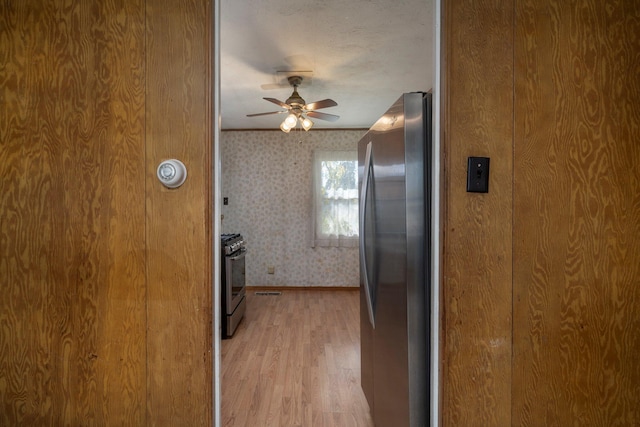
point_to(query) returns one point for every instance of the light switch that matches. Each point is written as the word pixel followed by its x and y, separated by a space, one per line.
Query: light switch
pixel 478 175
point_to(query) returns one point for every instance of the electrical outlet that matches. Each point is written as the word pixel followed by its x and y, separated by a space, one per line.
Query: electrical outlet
pixel 271 269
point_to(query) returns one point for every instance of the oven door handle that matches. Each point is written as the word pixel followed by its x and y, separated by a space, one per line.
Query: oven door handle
pixel 242 253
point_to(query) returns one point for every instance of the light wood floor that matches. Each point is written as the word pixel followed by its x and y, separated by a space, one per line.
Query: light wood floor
pixel 295 361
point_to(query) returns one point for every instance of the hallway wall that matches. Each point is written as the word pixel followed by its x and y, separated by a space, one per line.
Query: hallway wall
pixel 105 291
pixel 540 276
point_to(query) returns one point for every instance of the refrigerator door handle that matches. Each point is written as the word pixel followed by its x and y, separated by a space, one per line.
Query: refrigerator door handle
pixel 363 203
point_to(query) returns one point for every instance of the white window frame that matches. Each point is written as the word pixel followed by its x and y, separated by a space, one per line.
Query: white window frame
pixel 320 238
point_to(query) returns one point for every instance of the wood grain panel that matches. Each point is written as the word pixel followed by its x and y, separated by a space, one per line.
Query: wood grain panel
pixel 72 279
pixel 577 214
pixel 178 221
pixel 478 115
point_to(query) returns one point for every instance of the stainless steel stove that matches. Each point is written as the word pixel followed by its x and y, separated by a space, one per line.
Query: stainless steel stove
pixel 232 282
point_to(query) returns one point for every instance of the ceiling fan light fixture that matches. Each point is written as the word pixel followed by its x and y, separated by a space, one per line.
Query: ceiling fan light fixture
pixel 284 128
pixel 306 123
pixel 291 120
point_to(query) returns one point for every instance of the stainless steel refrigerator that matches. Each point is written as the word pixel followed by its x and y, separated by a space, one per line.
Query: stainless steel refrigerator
pixel 394 166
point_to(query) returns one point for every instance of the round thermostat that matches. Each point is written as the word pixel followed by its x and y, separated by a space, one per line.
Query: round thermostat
pixel 172 173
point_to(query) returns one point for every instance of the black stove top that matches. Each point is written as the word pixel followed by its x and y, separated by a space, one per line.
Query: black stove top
pixel 230 237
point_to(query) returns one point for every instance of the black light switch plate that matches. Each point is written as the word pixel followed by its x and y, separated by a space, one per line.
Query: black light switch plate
pixel 478 175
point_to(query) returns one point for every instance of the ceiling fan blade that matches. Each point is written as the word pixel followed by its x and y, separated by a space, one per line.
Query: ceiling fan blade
pixel 280 103
pixel 265 114
pixel 325 103
pixel 323 116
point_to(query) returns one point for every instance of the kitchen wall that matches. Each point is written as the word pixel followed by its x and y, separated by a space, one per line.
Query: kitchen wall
pixel 266 176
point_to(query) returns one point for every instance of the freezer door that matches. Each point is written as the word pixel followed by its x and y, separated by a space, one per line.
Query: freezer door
pixel 393 166
pixel 390 338
pixel 383 303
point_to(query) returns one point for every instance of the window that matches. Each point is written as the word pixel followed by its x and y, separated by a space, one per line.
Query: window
pixel 335 213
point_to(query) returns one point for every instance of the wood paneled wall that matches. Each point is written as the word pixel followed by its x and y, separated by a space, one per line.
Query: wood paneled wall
pixel 577 214
pixel 179 240
pixel 72 271
pixel 477 235
pixel 549 90
pixel 105 302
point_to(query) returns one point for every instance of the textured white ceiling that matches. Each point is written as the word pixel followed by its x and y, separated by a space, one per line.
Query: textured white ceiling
pixel 361 53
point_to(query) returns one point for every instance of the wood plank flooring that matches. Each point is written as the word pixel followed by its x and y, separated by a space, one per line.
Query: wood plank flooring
pixel 295 361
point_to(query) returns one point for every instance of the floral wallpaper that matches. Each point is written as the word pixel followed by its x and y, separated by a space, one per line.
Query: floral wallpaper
pixel 266 176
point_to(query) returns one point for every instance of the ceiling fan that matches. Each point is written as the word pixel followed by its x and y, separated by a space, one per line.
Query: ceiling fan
pixel 298 110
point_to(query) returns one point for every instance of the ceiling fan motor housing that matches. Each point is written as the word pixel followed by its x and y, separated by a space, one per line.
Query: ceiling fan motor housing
pixel 295 98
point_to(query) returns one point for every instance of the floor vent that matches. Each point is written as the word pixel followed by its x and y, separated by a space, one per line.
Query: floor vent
pixel 270 293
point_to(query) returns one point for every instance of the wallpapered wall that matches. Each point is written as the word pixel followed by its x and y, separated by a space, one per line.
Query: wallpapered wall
pixel 267 177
